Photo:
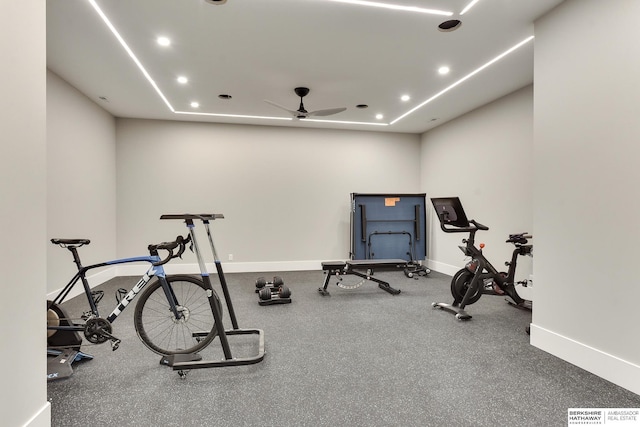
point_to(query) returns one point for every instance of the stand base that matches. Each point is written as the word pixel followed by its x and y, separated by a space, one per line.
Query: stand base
pixel 459 312
pixel 171 359
pixel 185 362
pixel 527 305
pixel 275 300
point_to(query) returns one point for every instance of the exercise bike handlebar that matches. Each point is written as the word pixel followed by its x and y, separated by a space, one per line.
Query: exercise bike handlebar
pixel 179 243
pixel 455 229
pixel 519 238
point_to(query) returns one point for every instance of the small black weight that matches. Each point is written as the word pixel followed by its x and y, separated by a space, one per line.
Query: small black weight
pixel 284 292
pixel 273 292
pixel 265 294
pixel 260 282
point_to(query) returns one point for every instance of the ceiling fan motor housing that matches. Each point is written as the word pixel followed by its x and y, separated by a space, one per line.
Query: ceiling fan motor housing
pixel 302 91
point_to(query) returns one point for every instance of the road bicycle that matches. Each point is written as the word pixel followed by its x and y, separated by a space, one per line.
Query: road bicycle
pixel 173 314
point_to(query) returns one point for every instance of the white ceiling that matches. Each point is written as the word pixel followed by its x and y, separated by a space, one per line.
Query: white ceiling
pixel 256 50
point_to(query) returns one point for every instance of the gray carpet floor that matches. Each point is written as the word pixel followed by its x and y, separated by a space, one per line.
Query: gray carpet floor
pixel 359 357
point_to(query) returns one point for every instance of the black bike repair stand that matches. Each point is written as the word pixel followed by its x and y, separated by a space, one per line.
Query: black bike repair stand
pixel 186 362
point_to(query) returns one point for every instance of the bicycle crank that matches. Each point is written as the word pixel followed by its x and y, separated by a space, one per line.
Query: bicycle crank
pixel 98 330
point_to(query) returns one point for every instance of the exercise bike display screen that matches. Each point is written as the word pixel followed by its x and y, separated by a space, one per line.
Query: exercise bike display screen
pixel 450 211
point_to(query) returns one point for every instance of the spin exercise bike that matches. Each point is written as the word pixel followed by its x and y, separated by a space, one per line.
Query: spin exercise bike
pixel 479 276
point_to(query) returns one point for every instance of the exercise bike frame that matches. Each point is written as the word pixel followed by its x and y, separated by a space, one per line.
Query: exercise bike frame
pixel 482 269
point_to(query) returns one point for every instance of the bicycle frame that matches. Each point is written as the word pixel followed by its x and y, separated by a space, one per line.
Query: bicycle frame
pixel 153 271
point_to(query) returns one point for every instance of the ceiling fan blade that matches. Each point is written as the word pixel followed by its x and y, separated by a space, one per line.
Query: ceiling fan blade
pixel 281 107
pixel 327 112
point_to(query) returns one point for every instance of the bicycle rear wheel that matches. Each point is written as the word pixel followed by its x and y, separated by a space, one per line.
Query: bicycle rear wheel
pixel 160 330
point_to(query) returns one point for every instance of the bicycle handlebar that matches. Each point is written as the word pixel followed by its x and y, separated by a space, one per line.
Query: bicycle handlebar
pixel 180 243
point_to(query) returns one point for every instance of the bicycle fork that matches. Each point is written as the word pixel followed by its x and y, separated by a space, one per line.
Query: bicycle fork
pixel 101 331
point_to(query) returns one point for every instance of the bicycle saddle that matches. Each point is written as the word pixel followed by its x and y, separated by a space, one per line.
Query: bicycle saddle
pixel 70 242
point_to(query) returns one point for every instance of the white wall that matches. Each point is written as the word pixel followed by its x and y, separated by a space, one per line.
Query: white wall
pixel 23 213
pixel 81 181
pixel 586 151
pixel 485 158
pixel 284 192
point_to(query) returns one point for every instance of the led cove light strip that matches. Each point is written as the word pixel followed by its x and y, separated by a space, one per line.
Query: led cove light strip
pixel 130 52
pixel 469 6
pixel 468 76
pixel 395 7
pixel 343 122
pixel 194 113
pixel 155 86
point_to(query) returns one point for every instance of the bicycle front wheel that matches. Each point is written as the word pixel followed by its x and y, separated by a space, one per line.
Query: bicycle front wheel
pixel 159 328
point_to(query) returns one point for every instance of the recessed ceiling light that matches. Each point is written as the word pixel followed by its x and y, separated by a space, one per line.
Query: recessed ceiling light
pixel 195 104
pixel 379 116
pixel 163 41
pixel 450 25
pixel 182 79
pixel 405 98
pixel 443 70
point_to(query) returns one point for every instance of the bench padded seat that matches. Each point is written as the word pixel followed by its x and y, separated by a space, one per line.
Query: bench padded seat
pixel 333 265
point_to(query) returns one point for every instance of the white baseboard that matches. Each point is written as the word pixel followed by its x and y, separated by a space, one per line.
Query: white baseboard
pixel 175 268
pixel 42 418
pixel 228 267
pixel 443 268
pixel 94 280
pixel 610 367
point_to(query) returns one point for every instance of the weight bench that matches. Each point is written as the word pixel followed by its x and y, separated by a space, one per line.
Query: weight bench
pixel 355 267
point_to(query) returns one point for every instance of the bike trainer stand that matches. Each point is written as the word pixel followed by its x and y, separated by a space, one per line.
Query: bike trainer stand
pixel 63 347
pixel 186 362
pixel 59 362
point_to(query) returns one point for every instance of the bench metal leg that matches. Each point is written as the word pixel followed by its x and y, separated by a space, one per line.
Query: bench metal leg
pixel 323 290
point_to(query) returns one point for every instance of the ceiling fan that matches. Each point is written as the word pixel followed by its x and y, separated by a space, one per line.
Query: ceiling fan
pixel 301 113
